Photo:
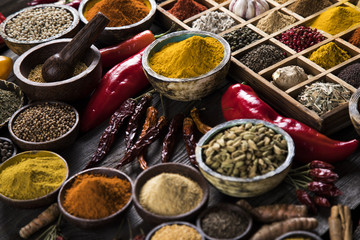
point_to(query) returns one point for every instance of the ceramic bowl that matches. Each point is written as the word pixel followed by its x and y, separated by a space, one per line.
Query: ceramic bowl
pixel 244 187
pixel 186 89
pixel 37 202
pixel 9 86
pixel 19 47
pixel 228 207
pixel 68 90
pixel 299 235
pixel 178 168
pixel 114 35
pixel 56 144
pixel 91 223
pixel 2 139
pixel 154 230
pixel 354 110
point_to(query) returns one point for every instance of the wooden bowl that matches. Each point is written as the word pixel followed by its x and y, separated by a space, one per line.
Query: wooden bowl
pixel 19 47
pixel 37 202
pixel 69 90
pixel 91 223
pixel 186 89
pixel 178 168
pixel 12 144
pixel 299 234
pixel 9 86
pixel 61 142
pixel 244 187
pixel 154 230
pixel 354 110
pixel 114 35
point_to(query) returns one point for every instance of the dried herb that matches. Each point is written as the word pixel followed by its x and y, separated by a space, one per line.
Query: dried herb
pixel 9 103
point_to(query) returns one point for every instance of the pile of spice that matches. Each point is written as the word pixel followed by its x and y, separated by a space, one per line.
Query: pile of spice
pixel 94 196
pixel 44 122
pixel 241 37
pixel 32 176
pixel 289 76
pixel 38 23
pixel 300 37
pixel 306 8
pixel 281 1
pixel 323 97
pixel 6 150
pixel 351 75
pixel 176 231
pixel 9 103
pixel 223 223
pixel 215 22
pixel 191 57
pixel 246 151
pixel 275 21
pixel 355 38
pixel 184 9
pixel 119 12
pixel 36 75
pixel 329 55
pixel 170 194
pixel 262 57
pixel 336 19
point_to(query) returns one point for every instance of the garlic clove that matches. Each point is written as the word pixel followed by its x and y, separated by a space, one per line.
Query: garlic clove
pixel 250 11
pixel 259 9
pixel 240 8
pixel 232 4
pixel 264 4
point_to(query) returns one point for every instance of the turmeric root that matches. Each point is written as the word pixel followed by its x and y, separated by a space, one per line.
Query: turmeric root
pixel 274 230
pixel 44 218
pixel 275 212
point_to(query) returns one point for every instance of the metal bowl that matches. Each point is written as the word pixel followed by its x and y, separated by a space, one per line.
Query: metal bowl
pixel 114 35
pixel 354 110
pixel 244 187
pixel 186 89
pixel 19 47
pixel 154 230
pixel 90 223
pixel 37 202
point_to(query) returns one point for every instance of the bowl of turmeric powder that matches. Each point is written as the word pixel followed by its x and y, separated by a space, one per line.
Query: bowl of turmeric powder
pixel 187 65
pixel 127 18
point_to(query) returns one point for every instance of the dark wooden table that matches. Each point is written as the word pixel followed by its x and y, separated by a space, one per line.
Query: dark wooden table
pixel 12 219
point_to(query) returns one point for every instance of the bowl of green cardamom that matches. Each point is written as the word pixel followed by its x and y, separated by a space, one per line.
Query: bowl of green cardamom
pixel 187 65
pixel 245 157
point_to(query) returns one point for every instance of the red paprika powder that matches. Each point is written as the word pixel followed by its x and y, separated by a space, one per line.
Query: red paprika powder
pixel 355 38
pixel 183 9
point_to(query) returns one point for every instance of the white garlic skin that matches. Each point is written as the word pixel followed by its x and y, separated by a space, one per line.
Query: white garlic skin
pixel 248 9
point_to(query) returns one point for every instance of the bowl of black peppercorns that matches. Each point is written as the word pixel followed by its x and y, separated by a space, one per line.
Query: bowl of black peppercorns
pixel 7 149
pixel 46 125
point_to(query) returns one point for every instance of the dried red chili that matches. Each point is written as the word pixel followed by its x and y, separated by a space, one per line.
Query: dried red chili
pixel 184 9
pixel 323 175
pixel 321 201
pixel 189 139
pixel 203 128
pixel 169 139
pixel 305 198
pixel 320 164
pixel 333 192
pixel 319 187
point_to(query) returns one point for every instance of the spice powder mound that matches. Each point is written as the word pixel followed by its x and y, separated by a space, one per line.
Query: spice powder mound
pixel 176 231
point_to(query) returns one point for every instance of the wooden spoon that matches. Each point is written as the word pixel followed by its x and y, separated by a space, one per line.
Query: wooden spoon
pixel 61 65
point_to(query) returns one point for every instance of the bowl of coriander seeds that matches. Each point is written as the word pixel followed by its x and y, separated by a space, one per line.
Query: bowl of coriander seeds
pixel 245 157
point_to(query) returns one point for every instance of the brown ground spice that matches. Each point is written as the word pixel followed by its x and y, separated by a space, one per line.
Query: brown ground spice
pixel 306 8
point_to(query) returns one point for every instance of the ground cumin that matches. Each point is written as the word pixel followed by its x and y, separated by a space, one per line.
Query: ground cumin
pixel 275 21
pixel 306 8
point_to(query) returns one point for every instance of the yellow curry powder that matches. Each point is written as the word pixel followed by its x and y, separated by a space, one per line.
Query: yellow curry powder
pixel 189 58
pixel 32 177
pixel 329 55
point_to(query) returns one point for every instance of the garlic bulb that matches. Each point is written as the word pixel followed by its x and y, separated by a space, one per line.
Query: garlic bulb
pixel 248 8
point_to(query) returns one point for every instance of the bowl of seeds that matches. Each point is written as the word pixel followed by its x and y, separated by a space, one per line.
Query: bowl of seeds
pixel 245 157
pixel 7 149
pixel 38 24
pixel 44 126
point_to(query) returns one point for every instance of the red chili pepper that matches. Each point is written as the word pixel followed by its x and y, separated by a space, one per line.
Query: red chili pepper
pixel 320 164
pixel 319 187
pixel 333 192
pixel 240 101
pixel 323 175
pixel 75 4
pixel 304 198
pixel 37 2
pixel 110 56
pixel 2 18
pixel 321 201
pixel 120 83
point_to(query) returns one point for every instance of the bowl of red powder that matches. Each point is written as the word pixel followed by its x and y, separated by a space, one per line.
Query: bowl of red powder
pixel 127 18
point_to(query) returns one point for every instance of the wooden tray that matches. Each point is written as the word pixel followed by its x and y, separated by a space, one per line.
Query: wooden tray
pixel 283 101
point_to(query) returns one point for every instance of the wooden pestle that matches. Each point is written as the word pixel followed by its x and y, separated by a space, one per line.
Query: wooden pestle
pixel 61 65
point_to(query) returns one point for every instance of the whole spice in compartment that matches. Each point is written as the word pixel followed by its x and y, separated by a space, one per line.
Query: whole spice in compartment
pixel 241 37
pixel 6 150
pixel 120 12
pixel 44 122
pixel 170 194
pixel 336 19
pixel 351 75
pixel 38 23
pixel 248 9
pixel 289 76
pixel 36 76
pixel 176 231
pixel 191 57
pixel 94 196
pixel 246 151
pixel 215 22
pixel 222 223
pixel 355 38
pixel 183 9
pixel 262 57
pixel 300 37
pixel 9 103
pixel 329 55
pixel 275 21
pixel 33 176
pixel 306 8
pixel 323 97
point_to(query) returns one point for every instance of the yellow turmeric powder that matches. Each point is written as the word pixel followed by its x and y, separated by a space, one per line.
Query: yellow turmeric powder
pixel 189 58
